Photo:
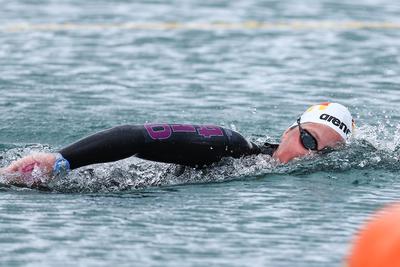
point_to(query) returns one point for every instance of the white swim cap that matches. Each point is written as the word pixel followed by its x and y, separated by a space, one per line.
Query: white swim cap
pixel 333 115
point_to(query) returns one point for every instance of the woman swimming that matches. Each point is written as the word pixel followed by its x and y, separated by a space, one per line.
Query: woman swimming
pixel 322 126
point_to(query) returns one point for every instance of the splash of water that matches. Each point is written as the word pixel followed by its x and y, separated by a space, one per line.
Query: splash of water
pixel 374 147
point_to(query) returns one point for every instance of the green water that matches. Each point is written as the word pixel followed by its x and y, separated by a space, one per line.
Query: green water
pixel 59 84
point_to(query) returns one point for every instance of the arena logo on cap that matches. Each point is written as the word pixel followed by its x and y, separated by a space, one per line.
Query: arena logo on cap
pixel 335 121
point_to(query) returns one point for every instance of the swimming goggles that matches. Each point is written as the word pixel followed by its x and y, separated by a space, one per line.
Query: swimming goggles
pixel 307 140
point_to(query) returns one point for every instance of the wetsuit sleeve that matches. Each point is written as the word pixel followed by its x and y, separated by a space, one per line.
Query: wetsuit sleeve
pixel 190 145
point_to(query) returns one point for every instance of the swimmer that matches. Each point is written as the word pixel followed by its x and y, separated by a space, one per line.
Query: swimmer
pixel 319 128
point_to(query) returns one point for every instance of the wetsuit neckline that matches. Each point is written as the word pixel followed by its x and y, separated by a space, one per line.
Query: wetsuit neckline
pixel 268 148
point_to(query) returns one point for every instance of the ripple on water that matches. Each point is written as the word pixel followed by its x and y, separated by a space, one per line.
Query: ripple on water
pixel 58 86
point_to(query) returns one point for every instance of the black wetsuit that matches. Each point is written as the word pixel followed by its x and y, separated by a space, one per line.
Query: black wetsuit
pixel 189 145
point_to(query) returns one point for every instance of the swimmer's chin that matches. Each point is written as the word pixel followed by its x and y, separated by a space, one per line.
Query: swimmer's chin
pixel 282 159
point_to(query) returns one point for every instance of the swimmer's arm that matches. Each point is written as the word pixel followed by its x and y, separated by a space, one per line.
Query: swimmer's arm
pixel 184 148
pixel 106 146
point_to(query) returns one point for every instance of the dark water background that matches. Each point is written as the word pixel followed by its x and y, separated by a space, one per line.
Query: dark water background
pixel 59 83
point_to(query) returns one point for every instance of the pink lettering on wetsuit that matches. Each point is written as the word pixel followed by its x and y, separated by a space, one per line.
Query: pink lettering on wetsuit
pixel 210 130
pixel 164 131
pixel 183 128
pixel 158 131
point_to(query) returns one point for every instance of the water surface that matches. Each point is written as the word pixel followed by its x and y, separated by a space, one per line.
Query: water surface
pixel 59 83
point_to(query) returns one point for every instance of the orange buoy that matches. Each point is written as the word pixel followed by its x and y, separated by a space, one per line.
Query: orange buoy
pixel 378 242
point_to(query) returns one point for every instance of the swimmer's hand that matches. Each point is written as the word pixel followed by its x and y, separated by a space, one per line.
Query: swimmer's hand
pixel 31 171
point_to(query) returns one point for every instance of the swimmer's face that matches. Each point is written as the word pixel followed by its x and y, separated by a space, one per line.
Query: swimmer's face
pixel 291 146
